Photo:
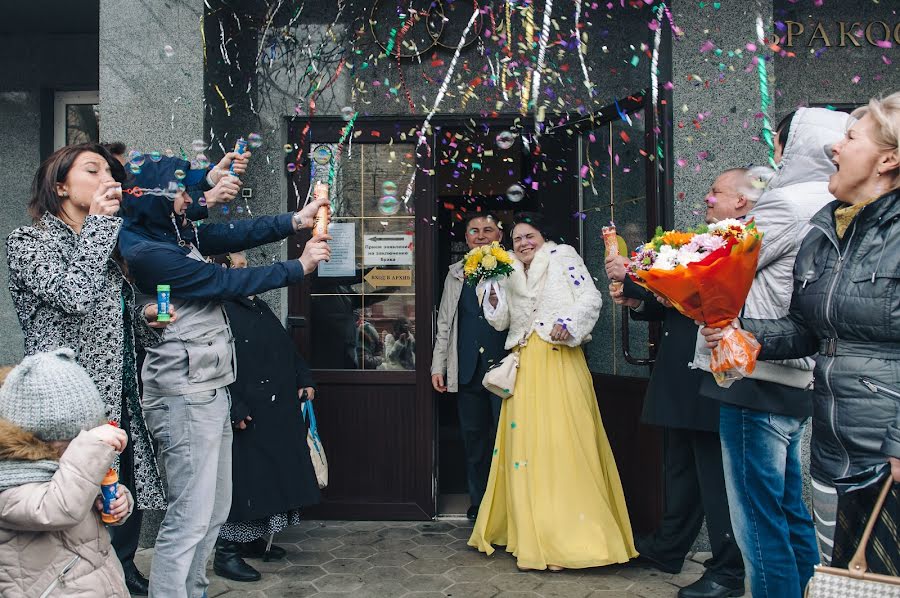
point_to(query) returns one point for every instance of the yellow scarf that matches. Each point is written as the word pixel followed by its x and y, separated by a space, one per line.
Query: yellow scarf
pixel 843 217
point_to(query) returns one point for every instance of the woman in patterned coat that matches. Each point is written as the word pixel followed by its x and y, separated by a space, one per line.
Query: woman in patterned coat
pixel 69 289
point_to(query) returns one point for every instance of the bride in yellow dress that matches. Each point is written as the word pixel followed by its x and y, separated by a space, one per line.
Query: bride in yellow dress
pixel 553 497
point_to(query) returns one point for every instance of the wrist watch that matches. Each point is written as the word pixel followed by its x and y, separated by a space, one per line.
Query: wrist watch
pixel 298 220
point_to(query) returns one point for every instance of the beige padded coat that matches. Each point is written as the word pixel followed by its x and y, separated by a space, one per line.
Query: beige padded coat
pixel 52 541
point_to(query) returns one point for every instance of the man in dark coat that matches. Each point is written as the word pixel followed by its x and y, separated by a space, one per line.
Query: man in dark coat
pixel 273 475
pixel 694 477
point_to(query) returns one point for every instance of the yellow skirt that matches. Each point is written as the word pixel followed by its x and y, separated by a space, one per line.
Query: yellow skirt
pixel 553 495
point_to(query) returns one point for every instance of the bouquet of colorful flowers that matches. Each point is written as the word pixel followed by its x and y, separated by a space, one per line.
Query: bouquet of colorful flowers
pixel 706 275
pixel 487 262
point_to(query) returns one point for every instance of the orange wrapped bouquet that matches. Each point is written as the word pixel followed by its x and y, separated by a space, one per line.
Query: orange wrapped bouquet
pixel 706 275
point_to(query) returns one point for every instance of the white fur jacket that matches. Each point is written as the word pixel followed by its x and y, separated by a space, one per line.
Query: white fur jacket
pixel 557 289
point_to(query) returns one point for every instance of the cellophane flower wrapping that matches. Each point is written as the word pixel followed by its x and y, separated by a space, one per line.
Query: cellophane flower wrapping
pixel 708 281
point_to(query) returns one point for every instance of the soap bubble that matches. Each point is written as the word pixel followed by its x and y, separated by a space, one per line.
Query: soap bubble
pixel 155 156
pixel 202 201
pixel 291 167
pixel 169 153
pixel 505 140
pixel 322 155
pixel 136 158
pixel 202 161
pixel 347 112
pixel 240 209
pixel 169 51
pixel 288 148
pixel 389 188
pixel 225 210
pixel 254 140
pixel 515 193
pixel 389 205
pixel 134 168
pixel 179 174
pixel 198 145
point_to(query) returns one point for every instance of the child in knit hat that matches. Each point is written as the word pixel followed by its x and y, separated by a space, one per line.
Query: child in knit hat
pixel 53 456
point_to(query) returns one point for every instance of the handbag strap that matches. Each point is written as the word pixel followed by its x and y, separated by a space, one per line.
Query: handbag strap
pixel 858 565
pixel 310 417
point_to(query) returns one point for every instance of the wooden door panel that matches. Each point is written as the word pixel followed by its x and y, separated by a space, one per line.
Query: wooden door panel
pixel 376 458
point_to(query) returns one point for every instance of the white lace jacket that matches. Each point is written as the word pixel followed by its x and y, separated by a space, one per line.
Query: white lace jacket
pixel 557 289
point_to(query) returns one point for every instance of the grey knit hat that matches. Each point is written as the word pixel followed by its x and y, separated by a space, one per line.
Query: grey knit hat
pixel 51 396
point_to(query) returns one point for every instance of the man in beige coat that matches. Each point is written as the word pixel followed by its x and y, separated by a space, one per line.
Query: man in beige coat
pixel 465 347
pixel 52 540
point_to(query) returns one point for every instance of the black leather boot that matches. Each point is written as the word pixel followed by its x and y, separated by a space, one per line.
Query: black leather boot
pixel 229 564
pixel 136 583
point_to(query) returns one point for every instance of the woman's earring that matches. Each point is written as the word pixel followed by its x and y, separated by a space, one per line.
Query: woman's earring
pixel 65 194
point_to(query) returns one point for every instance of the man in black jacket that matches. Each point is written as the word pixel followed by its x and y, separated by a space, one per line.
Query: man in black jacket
pixel 694 478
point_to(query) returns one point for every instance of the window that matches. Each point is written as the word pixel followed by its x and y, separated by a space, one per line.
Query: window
pixel 363 300
pixel 76 117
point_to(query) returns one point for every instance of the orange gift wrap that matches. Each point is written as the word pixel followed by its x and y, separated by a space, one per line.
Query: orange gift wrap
pixel 713 291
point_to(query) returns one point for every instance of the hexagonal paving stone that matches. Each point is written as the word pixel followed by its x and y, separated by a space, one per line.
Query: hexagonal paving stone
pixel 425 595
pixel 267 581
pixel 293 589
pixel 353 551
pixel 290 535
pixel 502 562
pixel 400 533
pixel 339 582
pixel 429 566
pixel 514 594
pixel 461 533
pixel 566 589
pixel 327 532
pixel 366 526
pixel 319 544
pixel 384 574
pixel 606 580
pixel 393 545
pixel 431 552
pixel 471 590
pixel 355 566
pixel 426 583
pixel 380 590
pixel 297 573
pixel 460 545
pixel 360 538
pixel 516 582
pixel 302 557
pixel 461 574
pixel 432 539
pixel 437 527
pixel 396 559
pixel 469 557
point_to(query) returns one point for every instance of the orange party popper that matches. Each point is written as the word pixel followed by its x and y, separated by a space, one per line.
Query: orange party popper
pixel 108 488
pixel 320 191
pixel 611 241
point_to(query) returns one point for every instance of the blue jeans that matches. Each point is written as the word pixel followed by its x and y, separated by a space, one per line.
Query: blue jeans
pixel 194 436
pixel 772 526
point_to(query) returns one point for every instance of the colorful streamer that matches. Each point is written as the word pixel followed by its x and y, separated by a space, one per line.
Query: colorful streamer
pixel 765 98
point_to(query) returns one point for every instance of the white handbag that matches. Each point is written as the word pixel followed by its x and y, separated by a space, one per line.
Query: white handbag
pixel 316 452
pixel 501 378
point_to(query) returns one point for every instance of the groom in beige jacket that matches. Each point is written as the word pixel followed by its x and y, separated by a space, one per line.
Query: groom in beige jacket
pixel 464 348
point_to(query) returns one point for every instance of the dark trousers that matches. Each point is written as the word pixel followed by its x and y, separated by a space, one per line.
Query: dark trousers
pixel 479 412
pixel 695 487
pixel 125 537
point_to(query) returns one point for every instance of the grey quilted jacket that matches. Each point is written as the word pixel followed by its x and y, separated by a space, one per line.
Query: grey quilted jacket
pixel 846 308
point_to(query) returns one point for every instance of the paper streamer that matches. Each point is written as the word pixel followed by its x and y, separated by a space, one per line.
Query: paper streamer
pixel 765 98
pixel 584 71
pixel 542 53
pixel 654 59
pixel 340 147
pixel 442 91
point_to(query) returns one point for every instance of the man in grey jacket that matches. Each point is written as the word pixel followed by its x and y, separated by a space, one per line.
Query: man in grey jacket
pixel 464 348
pixel 762 418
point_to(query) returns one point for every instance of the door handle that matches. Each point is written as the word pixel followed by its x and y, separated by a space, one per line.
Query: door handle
pixel 626 342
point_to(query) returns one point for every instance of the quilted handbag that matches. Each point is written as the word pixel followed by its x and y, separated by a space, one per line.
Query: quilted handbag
pixel 316 452
pixel 856 581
